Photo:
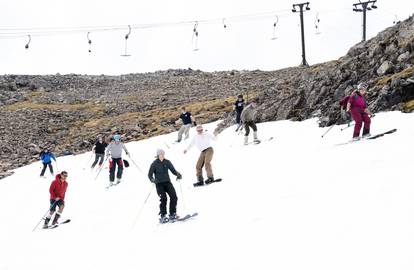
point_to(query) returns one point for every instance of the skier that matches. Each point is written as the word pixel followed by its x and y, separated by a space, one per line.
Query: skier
pixel 203 142
pixel 187 120
pixel 238 107
pixel 99 148
pixel 57 192
pixel 357 105
pixel 248 116
pixel 158 174
pixel 115 150
pixel 46 157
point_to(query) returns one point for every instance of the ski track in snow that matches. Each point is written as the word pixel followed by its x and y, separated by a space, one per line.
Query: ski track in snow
pixel 295 202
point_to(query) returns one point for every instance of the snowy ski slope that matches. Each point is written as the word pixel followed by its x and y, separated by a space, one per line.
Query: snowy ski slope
pixel 297 202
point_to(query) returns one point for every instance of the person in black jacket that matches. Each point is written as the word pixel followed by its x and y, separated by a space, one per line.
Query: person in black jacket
pixel 158 174
pixel 238 107
pixel 99 148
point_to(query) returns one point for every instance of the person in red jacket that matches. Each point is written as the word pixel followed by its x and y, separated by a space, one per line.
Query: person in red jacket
pixel 357 105
pixel 57 192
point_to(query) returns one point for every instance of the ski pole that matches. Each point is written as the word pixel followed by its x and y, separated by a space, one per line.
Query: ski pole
pixel 57 168
pixel 328 129
pixel 182 195
pixel 100 169
pixel 89 160
pixel 351 125
pixel 139 169
pixel 142 207
pixel 48 210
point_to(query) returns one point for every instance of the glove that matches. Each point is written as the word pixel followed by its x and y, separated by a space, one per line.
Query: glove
pixel 179 176
pixel 194 124
pixel 152 180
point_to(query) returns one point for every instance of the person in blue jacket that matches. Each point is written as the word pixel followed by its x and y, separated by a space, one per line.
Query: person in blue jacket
pixel 46 157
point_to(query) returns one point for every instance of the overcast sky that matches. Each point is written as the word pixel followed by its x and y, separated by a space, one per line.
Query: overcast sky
pixel 243 44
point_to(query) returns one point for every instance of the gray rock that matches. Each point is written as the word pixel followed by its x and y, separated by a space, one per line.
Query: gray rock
pixel 385 67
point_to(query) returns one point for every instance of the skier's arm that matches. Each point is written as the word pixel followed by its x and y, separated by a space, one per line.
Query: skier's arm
pixel 53 157
pixel 171 167
pixel 151 172
pixel 243 113
pixel 52 189
pixel 190 145
pixel 108 150
pixel 126 150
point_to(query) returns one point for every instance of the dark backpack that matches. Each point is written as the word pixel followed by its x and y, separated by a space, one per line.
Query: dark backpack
pixel 344 101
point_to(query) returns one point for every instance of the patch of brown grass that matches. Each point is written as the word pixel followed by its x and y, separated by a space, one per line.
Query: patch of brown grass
pixel 402 74
pixel 409 106
pixel 49 106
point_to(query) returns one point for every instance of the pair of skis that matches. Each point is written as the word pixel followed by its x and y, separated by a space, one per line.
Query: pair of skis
pixel 373 137
pixel 57 224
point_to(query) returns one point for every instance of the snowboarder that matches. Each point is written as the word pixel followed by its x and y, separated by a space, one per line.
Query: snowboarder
pixel 46 157
pixel 248 116
pixel 57 192
pixel 115 150
pixel 187 120
pixel 357 105
pixel 203 142
pixel 158 174
pixel 99 149
pixel 238 107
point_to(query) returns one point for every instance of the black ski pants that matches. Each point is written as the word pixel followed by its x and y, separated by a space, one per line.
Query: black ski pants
pixel 98 157
pixel 162 190
pixel 112 167
pixel 247 125
pixel 238 114
pixel 44 168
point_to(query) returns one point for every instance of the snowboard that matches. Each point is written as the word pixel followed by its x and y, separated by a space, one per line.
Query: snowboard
pixel 184 218
pixel 206 184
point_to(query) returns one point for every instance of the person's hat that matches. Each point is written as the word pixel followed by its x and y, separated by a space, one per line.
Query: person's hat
pixel 160 152
pixel 117 137
pixel 362 86
pixel 199 127
pixel 240 96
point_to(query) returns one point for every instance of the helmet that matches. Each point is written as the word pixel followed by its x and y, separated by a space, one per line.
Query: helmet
pixel 240 96
pixel 117 137
pixel 362 86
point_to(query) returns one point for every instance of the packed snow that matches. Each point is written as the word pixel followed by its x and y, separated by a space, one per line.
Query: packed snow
pixel 297 201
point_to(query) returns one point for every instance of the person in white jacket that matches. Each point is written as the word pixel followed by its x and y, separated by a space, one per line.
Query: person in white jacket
pixel 203 141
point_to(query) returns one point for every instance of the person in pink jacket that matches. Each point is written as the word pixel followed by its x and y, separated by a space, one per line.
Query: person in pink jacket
pixel 357 105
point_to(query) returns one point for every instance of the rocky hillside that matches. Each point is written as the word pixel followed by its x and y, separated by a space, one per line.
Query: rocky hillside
pixel 68 112
pixel 385 62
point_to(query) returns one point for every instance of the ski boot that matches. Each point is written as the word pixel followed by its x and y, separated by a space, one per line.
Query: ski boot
pixel 200 181
pixel 255 139
pixel 354 139
pixel 164 219
pixel 46 224
pixel 246 140
pixel 209 180
pixel 366 134
pixel 55 220
pixel 118 180
pixel 173 217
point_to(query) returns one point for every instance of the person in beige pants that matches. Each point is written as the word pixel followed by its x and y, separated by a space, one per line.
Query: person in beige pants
pixel 203 141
